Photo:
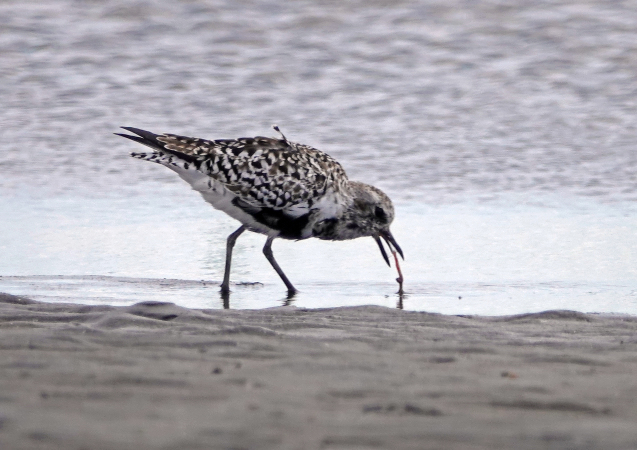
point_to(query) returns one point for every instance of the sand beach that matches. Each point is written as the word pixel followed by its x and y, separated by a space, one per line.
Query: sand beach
pixel 158 376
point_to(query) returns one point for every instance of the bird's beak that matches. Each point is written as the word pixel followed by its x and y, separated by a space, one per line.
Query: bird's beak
pixel 391 243
pixel 382 249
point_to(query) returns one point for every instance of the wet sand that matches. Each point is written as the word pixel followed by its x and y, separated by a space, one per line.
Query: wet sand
pixel 158 376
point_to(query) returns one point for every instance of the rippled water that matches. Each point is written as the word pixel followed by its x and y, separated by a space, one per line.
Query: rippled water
pixel 505 133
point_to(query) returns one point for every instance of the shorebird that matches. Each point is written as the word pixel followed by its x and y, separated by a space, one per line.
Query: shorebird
pixel 277 188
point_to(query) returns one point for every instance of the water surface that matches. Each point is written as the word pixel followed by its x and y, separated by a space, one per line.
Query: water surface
pixel 505 133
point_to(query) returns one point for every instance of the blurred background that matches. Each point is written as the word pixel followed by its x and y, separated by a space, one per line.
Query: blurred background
pixel 505 133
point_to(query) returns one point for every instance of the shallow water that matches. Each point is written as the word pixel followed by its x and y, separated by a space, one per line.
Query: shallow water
pixel 505 133
pixel 460 258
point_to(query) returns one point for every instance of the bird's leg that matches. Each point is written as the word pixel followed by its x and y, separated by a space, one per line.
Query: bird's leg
pixel 225 286
pixel 267 251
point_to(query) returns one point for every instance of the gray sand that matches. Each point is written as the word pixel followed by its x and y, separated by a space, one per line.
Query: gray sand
pixel 159 376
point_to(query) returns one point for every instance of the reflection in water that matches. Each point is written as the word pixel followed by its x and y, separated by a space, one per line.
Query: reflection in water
pixel 399 304
pixel 289 299
pixel 225 298
pixel 226 294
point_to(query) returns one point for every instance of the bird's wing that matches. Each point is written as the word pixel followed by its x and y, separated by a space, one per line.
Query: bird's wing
pixel 263 172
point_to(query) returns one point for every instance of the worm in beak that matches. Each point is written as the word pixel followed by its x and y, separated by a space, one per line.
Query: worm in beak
pixel 393 247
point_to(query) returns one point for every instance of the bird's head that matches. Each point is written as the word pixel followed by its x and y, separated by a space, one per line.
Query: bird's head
pixel 370 214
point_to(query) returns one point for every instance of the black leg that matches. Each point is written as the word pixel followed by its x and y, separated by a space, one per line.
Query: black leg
pixel 267 251
pixel 225 286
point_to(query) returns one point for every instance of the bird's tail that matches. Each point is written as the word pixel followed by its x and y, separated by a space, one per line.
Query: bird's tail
pixel 143 137
pixel 160 154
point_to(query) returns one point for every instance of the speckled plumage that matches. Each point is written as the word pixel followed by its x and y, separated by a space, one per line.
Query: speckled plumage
pixel 274 187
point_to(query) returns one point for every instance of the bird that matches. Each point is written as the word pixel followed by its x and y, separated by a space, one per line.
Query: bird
pixel 277 188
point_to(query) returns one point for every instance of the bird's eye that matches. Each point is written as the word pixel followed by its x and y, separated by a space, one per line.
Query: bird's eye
pixel 380 214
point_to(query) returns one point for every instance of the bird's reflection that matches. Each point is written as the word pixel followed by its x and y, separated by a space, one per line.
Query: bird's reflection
pixel 399 304
pixel 289 299
pixel 291 296
pixel 225 298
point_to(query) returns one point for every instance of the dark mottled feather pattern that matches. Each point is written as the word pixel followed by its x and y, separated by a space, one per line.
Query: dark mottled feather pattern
pixel 263 171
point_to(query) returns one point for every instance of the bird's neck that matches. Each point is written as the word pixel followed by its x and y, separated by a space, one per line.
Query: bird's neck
pixel 343 225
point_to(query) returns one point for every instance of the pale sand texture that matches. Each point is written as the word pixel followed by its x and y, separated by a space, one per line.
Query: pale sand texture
pixel 157 376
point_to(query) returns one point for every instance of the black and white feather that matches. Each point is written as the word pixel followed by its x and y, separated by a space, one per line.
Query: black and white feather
pixel 274 187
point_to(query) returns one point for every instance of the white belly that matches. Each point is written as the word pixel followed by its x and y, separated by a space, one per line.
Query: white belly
pixel 220 198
